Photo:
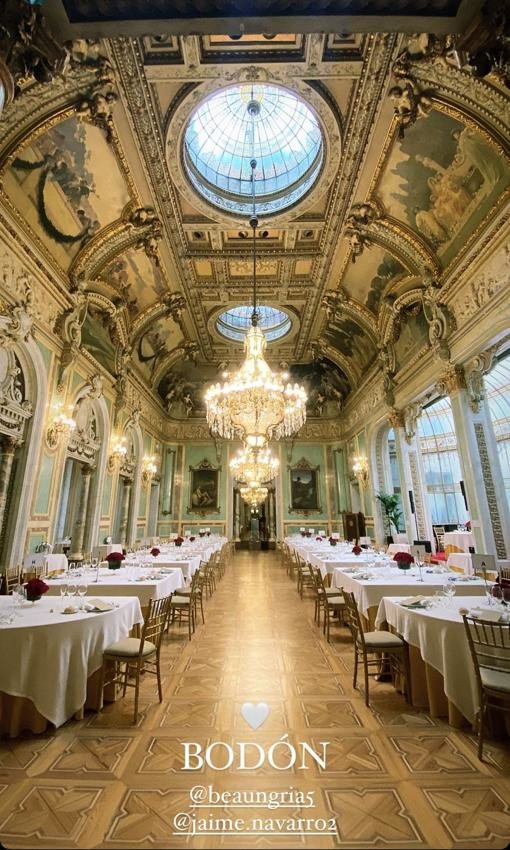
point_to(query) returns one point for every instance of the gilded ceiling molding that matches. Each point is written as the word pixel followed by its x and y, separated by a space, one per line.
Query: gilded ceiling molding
pixel 127 57
pixel 321 349
pixel 118 321
pixel 338 305
pixel 405 245
pixel 364 108
pixel 171 305
pixel 137 228
pixel 452 380
pixel 186 350
pixel 389 316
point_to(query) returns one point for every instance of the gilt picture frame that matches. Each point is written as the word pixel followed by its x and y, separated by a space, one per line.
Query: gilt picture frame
pixel 304 488
pixel 204 488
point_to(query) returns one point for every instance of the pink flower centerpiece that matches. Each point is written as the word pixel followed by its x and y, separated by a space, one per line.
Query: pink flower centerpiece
pixel 179 541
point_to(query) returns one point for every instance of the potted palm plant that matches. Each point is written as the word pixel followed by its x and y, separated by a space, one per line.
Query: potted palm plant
pixel 392 512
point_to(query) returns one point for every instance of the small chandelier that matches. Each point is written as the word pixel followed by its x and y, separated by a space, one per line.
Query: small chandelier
pixel 360 469
pixel 254 466
pixel 255 404
pixel 254 496
pixel 149 470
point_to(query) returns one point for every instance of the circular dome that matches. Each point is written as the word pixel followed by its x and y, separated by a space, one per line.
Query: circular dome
pixel 244 122
pixel 235 323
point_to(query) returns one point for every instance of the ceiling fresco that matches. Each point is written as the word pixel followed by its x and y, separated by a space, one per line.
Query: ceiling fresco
pixel 407 182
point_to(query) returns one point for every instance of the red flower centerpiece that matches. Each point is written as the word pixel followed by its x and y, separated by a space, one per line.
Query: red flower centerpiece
pixel 332 541
pixel 319 539
pixel 35 588
pixel 114 560
pixel 308 533
pixel 154 551
pixel 192 539
pixel 179 541
pixel 357 550
pixel 404 560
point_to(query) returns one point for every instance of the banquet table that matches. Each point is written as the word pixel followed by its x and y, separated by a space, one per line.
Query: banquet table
pixel 51 660
pixel 327 563
pixel 442 673
pixel 36 560
pixel 394 582
pixel 188 564
pixel 460 540
pixel 134 581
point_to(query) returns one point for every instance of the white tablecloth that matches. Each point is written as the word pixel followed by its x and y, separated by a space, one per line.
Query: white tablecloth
pixel 48 656
pixel 439 634
pixel 395 582
pixel 328 563
pixel 117 583
pixel 38 559
pixel 189 565
pixel 461 539
pixel 461 560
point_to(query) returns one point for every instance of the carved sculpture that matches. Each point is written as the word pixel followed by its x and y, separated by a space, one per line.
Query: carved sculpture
pixel 410 103
pixel 69 327
pixel 411 415
pixel 28 51
pixel 97 106
pixel 16 322
pixel 474 374
pixel 439 320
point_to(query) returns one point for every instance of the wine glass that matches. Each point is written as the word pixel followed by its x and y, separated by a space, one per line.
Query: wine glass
pixel 64 593
pixel 82 590
pixel 72 590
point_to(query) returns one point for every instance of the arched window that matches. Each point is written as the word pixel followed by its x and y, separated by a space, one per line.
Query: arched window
pixel 438 445
pixel 497 384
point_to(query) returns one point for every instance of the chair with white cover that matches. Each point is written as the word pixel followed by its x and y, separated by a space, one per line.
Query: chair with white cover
pixel 138 654
pixel 489 644
pixel 376 644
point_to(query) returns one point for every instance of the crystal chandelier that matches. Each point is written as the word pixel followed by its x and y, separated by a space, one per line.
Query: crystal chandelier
pixel 255 404
pixel 254 496
pixel 254 466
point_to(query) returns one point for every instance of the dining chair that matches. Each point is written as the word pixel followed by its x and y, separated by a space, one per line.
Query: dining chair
pixel 333 606
pixel 186 605
pixel 489 644
pixel 304 581
pixel 13 577
pixel 375 644
pixel 131 656
pixel 321 593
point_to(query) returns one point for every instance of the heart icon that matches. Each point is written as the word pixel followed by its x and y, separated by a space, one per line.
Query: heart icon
pixel 255 715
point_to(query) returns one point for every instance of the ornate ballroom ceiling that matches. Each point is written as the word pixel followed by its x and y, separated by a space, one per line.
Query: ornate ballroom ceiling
pixel 92 171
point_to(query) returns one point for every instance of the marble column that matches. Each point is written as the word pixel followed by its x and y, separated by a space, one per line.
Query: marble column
pixel 480 465
pixel 8 449
pixel 78 534
pixel 124 515
pixel 237 517
pixel 272 515
pixel 412 476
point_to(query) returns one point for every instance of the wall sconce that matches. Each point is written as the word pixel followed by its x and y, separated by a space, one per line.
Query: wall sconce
pixel 360 469
pixel 149 470
pixel 117 454
pixel 61 426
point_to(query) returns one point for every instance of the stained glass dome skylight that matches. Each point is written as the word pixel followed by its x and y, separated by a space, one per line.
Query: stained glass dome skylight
pixel 235 323
pixel 222 137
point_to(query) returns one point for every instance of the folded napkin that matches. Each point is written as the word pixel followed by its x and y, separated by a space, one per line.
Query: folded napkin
pixel 99 605
pixel 414 601
pixel 485 614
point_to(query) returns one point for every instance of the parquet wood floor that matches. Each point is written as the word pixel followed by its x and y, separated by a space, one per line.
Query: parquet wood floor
pixel 394 778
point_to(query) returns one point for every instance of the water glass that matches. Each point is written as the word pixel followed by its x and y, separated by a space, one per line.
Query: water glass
pixel 82 590
pixel 64 593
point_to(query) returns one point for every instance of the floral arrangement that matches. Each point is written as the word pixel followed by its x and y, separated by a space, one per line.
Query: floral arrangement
pixel 308 533
pixel 179 541
pixel 192 538
pixel 201 533
pixel 357 550
pixel 114 560
pixel 35 588
pixel 501 589
pixel 155 551
pixel 319 539
pixel 332 541
pixel 303 533
pixel 404 560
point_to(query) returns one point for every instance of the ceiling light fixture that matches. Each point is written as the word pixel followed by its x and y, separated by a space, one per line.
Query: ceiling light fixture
pixel 254 496
pixel 254 466
pixel 254 404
